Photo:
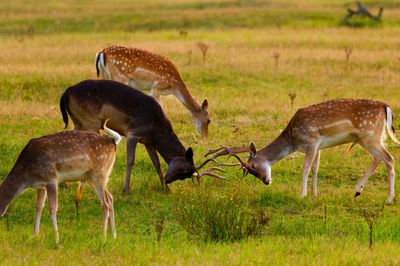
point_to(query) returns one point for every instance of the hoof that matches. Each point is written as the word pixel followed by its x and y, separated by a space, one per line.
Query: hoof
pixel 389 201
pixel 357 194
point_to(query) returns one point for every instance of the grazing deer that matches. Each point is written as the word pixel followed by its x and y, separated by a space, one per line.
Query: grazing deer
pixel 134 115
pixel 65 156
pixel 324 125
pixel 144 70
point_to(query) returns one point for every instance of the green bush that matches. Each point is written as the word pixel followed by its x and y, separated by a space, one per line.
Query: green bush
pixel 218 218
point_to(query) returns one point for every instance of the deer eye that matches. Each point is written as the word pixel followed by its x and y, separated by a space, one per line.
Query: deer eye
pixel 208 121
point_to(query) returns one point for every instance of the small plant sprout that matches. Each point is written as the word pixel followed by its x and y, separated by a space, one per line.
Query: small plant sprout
pixel 348 51
pixel 371 215
pixel 203 47
pixel 160 228
pixel 189 57
pixel 325 95
pixel 183 32
pixel 275 56
pixel 292 96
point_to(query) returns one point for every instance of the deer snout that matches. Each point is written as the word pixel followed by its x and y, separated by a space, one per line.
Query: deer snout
pixel 266 181
pixel 205 131
pixel 168 179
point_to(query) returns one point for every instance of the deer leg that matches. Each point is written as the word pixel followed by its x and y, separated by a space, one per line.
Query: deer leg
pixel 130 158
pixel 111 219
pixel 380 153
pixel 367 174
pixel 389 162
pixel 314 170
pixel 156 162
pixel 309 158
pixel 52 191
pixel 78 196
pixel 101 192
pixel 41 197
pixel 155 93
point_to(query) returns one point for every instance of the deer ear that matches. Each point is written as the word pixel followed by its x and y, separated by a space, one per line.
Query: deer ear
pixel 253 150
pixel 204 105
pixel 189 153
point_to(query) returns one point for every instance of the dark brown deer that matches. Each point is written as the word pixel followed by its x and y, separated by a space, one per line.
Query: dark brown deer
pixel 66 156
pixel 324 125
pixel 134 115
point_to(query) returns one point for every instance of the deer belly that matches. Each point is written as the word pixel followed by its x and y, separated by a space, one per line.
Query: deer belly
pixel 334 140
pixel 72 169
pixel 141 85
pixel 71 175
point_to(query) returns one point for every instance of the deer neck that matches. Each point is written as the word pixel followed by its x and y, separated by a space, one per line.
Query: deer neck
pixel 11 187
pixel 168 145
pixel 277 149
pixel 184 96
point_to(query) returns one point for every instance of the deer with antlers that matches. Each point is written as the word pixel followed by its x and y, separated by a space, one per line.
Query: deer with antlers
pixel 144 70
pixel 321 126
pixel 66 156
pixel 136 116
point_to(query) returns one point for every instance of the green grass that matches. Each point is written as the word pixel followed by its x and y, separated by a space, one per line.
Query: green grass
pixel 47 47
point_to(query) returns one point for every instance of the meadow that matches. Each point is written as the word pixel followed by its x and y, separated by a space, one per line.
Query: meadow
pixel 259 52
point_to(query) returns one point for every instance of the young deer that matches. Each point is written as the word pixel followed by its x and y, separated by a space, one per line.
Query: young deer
pixel 65 156
pixel 324 125
pixel 144 70
pixel 134 115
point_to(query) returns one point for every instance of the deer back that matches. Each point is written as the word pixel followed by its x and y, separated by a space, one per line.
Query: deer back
pixel 65 152
pixel 355 117
pixel 91 102
pixel 125 63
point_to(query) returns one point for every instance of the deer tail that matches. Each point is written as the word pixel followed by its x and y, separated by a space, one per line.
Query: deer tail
pixel 116 137
pixel 64 108
pixel 100 63
pixel 389 124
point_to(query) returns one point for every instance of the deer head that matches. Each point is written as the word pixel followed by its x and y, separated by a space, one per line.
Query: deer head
pixel 182 167
pixel 258 166
pixel 201 119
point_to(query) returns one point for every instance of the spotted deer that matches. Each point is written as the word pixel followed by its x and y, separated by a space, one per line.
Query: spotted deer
pixel 136 116
pixel 144 70
pixel 65 156
pixel 321 126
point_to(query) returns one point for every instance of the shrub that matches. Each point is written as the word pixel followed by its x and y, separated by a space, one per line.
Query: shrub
pixel 219 218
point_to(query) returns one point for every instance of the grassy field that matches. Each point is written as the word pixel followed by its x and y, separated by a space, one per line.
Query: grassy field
pixel 47 47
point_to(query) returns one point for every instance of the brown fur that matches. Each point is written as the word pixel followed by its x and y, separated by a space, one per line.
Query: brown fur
pixel 143 70
pixel 65 156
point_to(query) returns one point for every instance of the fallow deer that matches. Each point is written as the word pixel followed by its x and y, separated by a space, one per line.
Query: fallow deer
pixel 65 156
pixel 144 70
pixel 136 116
pixel 324 125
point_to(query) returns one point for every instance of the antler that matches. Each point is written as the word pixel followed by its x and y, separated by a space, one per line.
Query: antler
pixel 223 150
pixel 206 162
pixel 209 172
pixel 220 152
